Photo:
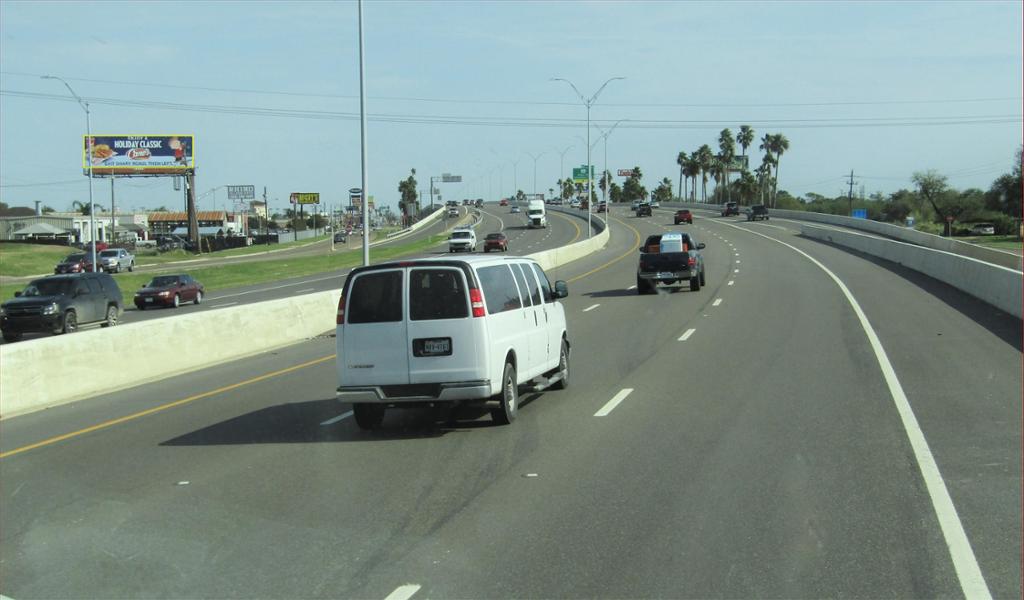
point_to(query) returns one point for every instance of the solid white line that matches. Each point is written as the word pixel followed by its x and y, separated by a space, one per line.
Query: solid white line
pixel 277 287
pixel 334 420
pixel 716 302
pixel 731 282
pixel 610 406
pixel 632 287
pixel 403 592
pixel 304 291
pixel 223 305
pixel 972 582
pixel 686 335
pixel 590 308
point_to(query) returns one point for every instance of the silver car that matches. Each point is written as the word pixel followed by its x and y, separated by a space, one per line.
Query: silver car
pixel 115 260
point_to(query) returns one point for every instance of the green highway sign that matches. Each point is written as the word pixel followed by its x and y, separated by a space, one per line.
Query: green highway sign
pixel 579 174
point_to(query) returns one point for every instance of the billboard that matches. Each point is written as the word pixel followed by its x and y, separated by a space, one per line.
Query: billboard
pixel 138 154
pixel 241 192
pixel 305 198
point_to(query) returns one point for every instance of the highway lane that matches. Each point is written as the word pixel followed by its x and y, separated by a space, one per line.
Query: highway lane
pixel 757 453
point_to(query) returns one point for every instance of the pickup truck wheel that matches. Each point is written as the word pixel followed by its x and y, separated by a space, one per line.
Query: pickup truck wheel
pixel 131 266
pixel 695 283
pixel 508 397
pixel 70 322
pixel 368 416
pixel 563 368
pixel 111 319
pixel 702 277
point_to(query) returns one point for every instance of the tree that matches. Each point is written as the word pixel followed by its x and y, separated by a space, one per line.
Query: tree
pixel 568 189
pixel 632 189
pixel 746 187
pixel 80 207
pixel 779 145
pixel 663 193
pixel 745 138
pixel 615 192
pixel 520 196
pixel 681 161
pixel 1005 194
pixel 705 157
pixel 764 175
pixel 606 179
pixel 931 186
pixel 691 170
pixel 47 209
pixel 726 150
pixel 407 189
pixel 162 209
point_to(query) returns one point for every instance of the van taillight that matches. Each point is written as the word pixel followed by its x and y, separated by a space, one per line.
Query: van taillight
pixel 341 311
pixel 476 301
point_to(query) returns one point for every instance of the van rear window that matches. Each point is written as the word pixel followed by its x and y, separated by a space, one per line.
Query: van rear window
pixel 500 290
pixel 437 294
pixel 376 298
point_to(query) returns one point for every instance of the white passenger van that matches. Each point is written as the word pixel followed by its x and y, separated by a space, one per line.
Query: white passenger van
pixel 430 331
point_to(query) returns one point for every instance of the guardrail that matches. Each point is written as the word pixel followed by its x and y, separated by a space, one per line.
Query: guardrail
pixel 53 371
pixel 995 284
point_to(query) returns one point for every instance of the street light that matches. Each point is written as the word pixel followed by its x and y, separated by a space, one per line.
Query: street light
pixel 604 189
pixel 561 166
pixel 535 157
pixel 588 104
pixel 88 141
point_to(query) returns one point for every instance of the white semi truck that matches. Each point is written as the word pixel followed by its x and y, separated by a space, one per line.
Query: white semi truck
pixel 536 214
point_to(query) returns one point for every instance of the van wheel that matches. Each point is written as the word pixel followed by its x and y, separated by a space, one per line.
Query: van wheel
pixel 70 322
pixel 111 319
pixel 368 416
pixel 563 368
pixel 695 283
pixel 508 397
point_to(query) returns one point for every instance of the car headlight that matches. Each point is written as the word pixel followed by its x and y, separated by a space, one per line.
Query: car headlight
pixel 51 309
pixel 164 293
pixel 3 311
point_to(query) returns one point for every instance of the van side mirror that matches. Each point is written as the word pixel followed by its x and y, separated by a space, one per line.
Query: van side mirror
pixel 17 294
pixel 561 289
pixel 701 246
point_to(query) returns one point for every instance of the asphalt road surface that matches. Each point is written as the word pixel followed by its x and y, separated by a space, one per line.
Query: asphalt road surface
pixel 743 441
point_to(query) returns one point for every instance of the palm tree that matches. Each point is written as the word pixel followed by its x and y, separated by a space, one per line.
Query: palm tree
pixel 692 169
pixel 764 173
pixel 727 149
pixel 681 161
pixel 80 207
pixel 769 159
pixel 779 146
pixel 745 138
pixel 705 157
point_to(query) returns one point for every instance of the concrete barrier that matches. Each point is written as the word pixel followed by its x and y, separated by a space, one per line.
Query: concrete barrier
pixel 47 372
pixel 997 285
pixel 416 226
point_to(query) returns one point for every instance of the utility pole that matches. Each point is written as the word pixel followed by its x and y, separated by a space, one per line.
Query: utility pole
pixel 850 194
pixel 113 213
pixel 266 215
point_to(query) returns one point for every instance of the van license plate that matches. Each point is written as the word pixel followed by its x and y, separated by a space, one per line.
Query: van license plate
pixel 432 347
pixel 665 275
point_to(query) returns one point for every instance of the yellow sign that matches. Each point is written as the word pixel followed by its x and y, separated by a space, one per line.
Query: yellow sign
pixel 307 197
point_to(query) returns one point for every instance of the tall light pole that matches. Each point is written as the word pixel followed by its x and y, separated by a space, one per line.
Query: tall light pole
pixel 535 157
pixel 88 157
pixel 588 103
pixel 604 189
pixel 362 143
pixel 561 166
pixel 515 178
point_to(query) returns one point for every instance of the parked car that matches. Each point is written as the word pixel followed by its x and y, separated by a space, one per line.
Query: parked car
pixel 74 263
pixel 115 260
pixel 441 331
pixel 730 208
pixel 463 239
pixel 496 241
pixel 757 212
pixel 60 304
pixel 667 259
pixel 683 216
pixel 169 290
pixel 340 237
pixel 100 247
pixel 983 229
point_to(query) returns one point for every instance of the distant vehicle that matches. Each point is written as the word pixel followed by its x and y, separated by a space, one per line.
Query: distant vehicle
pixel 683 216
pixel 730 208
pixel 60 304
pixel 644 210
pixel 440 331
pixel 465 202
pixel 584 205
pixel 100 247
pixel 983 229
pixel 602 207
pixel 479 202
pixel 169 290
pixel 452 203
pixel 574 203
pixel 115 260
pixel 503 202
pixel 462 239
pixel 635 205
pixel 556 201
pixel 537 215
pixel 757 212
pixel 453 212
pixel 340 237
pixel 496 241
pixel 74 263
pixel 516 209
pixel 655 204
pixel 667 259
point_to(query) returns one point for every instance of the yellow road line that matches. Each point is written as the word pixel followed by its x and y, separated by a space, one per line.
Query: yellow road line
pixel 579 232
pixel 636 244
pixel 163 407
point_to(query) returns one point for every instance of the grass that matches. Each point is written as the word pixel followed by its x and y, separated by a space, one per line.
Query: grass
pixel 241 274
pixel 18 260
pixel 1010 243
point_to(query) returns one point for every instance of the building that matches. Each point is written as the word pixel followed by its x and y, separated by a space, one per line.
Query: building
pixel 75 226
pixel 258 208
pixel 163 223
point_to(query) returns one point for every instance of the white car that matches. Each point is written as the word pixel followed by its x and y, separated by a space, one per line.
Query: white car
pixel 575 203
pixel 462 240
pixel 983 229
pixel 434 331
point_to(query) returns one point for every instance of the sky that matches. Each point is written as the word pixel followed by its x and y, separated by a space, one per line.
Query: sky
pixel 271 92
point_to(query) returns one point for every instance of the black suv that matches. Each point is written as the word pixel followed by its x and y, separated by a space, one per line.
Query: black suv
pixel 730 208
pixel 757 212
pixel 60 303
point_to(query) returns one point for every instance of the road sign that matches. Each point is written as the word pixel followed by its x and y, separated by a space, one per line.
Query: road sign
pixel 448 178
pixel 579 174
pixel 860 213
pixel 306 198
pixel 625 172
pixel 241 192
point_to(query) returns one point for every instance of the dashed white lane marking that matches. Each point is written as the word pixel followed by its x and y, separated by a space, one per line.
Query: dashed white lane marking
pixel 731 282
pixel 590 308
pixel 735 270
pixel 305 290
pixel 334 420
pixel 632 287
pixel 686 335
pixel 404 592
pixel 972 582
pixel 716 302
pixel 739 261
pixel 616 399
pixel 223 305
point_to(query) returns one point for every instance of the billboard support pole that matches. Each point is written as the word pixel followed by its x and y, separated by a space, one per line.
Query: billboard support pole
pixel 362 142
pixel 193 218
pixel 113 213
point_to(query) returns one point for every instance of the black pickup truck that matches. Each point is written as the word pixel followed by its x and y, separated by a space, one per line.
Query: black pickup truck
pixel 644 210
pixel 656 266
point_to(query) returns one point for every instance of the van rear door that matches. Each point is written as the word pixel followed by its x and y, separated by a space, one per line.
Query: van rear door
pixel 372 342
pixel 441 336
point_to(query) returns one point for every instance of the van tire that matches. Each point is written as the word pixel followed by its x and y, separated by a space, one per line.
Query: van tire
pixel 695 283
pixel 70 322
pixel 703 278
pixel 368 416
pixel 563 368
pixel 508 397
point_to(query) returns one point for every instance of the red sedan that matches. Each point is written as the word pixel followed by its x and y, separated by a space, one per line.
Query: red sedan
pixel 684 216
pixel 495 241
pixel 75 263
pixel 503 202
pixel 169 290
